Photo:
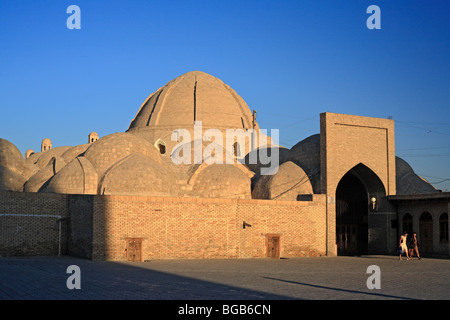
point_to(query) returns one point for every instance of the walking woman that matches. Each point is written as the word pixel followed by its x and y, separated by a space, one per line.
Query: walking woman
pixel 402 245
pixel 414 246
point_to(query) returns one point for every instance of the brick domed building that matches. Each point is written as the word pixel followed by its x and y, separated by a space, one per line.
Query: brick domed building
pixel 195 177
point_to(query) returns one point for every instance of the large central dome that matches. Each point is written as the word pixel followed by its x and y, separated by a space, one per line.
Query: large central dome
pixel 194 96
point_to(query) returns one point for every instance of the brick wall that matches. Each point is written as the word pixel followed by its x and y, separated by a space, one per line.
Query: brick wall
pixel 30 223
pixel 80 224
pixel 206 228
pixel 97 227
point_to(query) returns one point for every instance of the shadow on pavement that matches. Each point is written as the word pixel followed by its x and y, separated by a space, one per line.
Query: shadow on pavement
pixel 45 279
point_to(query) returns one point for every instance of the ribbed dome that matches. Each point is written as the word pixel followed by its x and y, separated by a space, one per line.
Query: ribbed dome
pixel 194 96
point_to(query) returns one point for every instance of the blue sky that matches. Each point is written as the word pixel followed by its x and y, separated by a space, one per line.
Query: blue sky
pixel 289 60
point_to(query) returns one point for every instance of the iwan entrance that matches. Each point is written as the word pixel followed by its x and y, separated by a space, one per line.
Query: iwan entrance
pixel 351 216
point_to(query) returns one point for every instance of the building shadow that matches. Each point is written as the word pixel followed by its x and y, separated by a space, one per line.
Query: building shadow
pixel 46 279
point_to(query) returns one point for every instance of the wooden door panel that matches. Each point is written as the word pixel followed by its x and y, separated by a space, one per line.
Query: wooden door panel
pixel 134 249
pixel 273 246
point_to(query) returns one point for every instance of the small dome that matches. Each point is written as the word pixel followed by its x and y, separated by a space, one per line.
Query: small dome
pixel 10 155
pixel 253 160
pixel 112 148
pixel 29 153
pixel 288 183
pixel 43 158
pixel 11 158
pixel 10 180
pixel 138 175
pixel 38 180
pixel 74 152
pixel 222 181
pixel 77 177
pixel 306 154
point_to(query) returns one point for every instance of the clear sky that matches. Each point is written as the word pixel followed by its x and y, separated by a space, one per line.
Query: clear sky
pixel 289 60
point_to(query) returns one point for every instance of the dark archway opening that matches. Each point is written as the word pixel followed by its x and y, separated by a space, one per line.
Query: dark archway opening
pixel 426 232
pixel 352 207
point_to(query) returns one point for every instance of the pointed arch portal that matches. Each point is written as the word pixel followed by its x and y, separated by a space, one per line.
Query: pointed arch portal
pixel 353 203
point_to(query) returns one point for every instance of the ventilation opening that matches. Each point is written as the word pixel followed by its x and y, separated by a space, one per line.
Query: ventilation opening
pixel 304 197
pixel 161 146
pixel 236 150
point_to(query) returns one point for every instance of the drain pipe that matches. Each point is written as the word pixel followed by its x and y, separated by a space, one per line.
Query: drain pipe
pixel 41 216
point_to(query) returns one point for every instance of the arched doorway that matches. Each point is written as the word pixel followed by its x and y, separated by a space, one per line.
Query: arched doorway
pixel 351 216
pixel 426 232
pixel 358 192
pixel 443 228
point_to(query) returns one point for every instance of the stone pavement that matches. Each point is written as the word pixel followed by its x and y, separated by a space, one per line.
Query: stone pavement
pixel 324 278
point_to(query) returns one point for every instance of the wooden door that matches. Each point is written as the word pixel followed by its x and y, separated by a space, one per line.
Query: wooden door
pixel 134 249
pixel 273 246
pixel 346 239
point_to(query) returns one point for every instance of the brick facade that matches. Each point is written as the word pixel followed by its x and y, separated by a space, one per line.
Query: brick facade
pixel 32 223
pixel 166 225
pixel 206 228
pixel 97 227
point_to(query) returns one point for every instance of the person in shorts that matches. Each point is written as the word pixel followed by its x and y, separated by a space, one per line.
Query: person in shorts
pixel 402 245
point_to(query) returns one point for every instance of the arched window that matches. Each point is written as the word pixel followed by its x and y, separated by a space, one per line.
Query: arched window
pixel 407 223
pixel 443 228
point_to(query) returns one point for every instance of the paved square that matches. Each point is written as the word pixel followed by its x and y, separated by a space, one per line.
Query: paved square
pixel 325 278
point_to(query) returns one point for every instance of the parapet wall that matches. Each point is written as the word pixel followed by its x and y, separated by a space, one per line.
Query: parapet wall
pixel 98 227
